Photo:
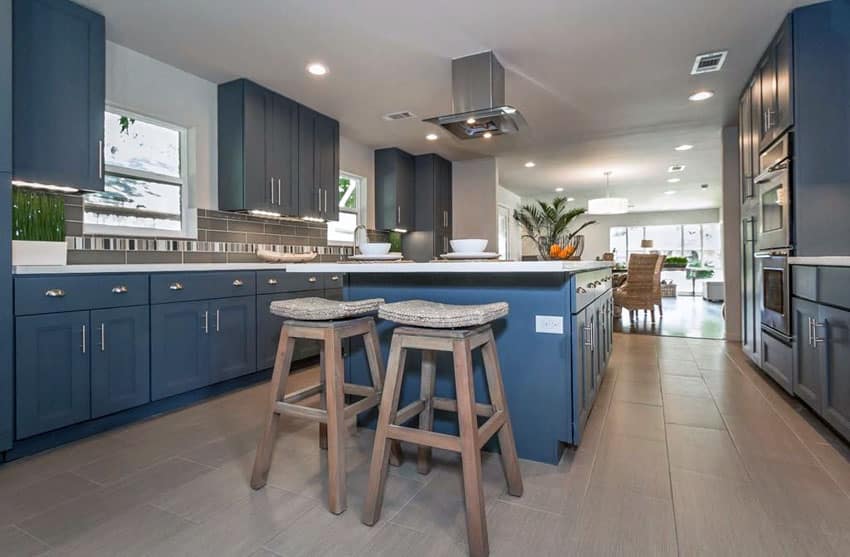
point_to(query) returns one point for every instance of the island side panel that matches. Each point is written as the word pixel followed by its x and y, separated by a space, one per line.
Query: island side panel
pixel 536 367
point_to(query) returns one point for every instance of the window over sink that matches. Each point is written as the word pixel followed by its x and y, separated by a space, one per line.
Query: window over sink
pixel 351 197
pixel 145 180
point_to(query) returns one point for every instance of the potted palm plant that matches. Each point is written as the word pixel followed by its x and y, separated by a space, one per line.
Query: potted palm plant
pixel 38 229
pixel 547 225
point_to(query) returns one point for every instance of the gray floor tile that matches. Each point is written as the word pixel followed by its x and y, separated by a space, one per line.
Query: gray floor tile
pixel 638 420
pixel 392 540
pixel 693 387
pixel 639 392
pixel 17 506
pixel 694 412
pixel 14 542
pixel 704 450
pixel 632 464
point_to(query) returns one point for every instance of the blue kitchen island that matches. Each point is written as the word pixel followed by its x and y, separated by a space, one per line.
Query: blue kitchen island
pixel 553 346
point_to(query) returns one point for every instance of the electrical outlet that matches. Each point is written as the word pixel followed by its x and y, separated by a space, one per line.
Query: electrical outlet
pixel 552 324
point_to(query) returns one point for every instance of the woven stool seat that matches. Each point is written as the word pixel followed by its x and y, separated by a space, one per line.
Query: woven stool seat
pixel 322 309
pixel 421 313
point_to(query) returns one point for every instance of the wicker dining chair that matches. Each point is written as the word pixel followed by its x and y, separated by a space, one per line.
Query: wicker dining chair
pixel 642 289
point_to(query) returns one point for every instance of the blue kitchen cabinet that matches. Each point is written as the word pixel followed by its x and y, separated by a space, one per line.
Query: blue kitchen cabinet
pixel 5 85
pixel 180 355
pixel 120 359
pixel 59 69
pixel 6 354
pixel 807 372
pixel 582 373
pixel 835 367
pixel 232 337
pixel 52 371
pixel 268 330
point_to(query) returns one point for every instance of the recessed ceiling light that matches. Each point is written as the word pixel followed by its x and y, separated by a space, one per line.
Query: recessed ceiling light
pixel 317 68
pixel 559 189
pixel 673 180
pixel 684 147
pixel 487 135
pixel 508 109
pixel 570 199
pixel 470 120
pixel 670 192
pixel 701 96
pixel 432 137
pixel 530 164
pixel 676 168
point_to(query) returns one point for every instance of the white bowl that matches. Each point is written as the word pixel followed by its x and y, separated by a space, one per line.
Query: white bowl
pixel 374 249
pixel 469 246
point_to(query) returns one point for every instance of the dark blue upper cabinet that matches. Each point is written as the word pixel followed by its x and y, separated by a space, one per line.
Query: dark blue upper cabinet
pixel 120 359
pixel 5 85
pixel 180 359
pixel 394 185
pixel 6 381
pixel 821 186
pixel 326 165
pixel 52 371
pixel 58 93
pixel 233 338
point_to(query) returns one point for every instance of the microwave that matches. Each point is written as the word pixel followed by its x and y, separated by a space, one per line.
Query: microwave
pixel 774 196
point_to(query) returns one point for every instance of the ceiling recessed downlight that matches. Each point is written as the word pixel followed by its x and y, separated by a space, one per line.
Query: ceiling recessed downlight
pixel 317 68
pixel 701 96
pixel 676 168
pixel 684 147
pixel 432 137
pixel 559 189
pixel 487 135
pixel 670 192
pixel 673 180
pixel 530 164
pixel 470 120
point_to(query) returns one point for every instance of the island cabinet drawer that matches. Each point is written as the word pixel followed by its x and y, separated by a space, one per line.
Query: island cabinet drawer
pixel 274 282
pixel 53 294
pixel 183 287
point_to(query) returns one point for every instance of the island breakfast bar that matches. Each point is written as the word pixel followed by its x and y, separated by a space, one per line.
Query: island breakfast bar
pixel 553 346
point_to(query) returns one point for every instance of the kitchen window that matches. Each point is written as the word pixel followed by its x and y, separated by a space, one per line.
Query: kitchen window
pixel 352 209
pixel 145 179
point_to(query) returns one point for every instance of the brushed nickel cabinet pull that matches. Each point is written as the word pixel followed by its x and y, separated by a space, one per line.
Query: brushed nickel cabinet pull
pixel 120 289
pixel 271 281
pixel 206 322
pixel 83 331
pixel 326 200
pixel 279 196
pixel 103 337
pixel 312 279
pixel 175 286
pixel 237 283
pixel 100 159
pixel 271 188
pixel 55 293
pixel 217 320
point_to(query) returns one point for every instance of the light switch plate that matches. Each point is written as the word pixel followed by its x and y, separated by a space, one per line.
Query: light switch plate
pixel 552 324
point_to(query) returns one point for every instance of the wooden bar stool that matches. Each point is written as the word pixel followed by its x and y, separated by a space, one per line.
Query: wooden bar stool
pixel 441 328
pixel 329 322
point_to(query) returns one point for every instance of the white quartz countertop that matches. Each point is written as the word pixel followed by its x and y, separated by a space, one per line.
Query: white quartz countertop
pixel 435 267
pixel 831 261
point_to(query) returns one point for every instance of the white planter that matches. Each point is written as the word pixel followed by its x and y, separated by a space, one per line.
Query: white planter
pixel 39 253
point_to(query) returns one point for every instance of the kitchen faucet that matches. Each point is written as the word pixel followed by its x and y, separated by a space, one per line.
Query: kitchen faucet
pixel 360 238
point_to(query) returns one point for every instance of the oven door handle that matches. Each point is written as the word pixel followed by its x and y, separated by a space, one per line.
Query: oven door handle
pixel 763 255
pixel 771 172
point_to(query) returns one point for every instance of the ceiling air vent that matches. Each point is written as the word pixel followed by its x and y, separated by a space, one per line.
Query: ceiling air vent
pixel 403 115
pixel 709 62
pixel 676 168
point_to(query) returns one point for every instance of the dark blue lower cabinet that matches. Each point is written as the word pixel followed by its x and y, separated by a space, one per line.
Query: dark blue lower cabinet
pixel 580 363
pixel 120 359
pixel 806 350
pixel 268 330
pixel 232 337
pixel 835 332
pixel 52 371
pixel 180 354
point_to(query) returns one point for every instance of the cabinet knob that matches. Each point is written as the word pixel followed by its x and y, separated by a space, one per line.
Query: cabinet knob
pixel 120 289
pixel 175 286
pixel 312 279
pixel 55 293
pixel 271 281
pixel 237 283
pixel 335 278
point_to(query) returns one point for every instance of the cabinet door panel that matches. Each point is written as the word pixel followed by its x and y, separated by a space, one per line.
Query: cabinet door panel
pixel 232 337
pixel 807 361
pixel 286 151
pixel 307 190
pixel 179 348
pixel 326 164
pixel 783 102
pixel 836 367
pixel 767 76
pixel 268 331
pixel 59 93
pixel 745 145
pixel 256 183
pixel 580 400
pixel 120 363
pixel 52 371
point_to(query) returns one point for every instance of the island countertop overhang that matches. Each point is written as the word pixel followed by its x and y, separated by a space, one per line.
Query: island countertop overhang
pixel 439 267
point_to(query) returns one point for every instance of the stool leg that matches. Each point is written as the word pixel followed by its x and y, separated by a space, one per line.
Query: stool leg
pixel 426 417
pixel 381 447
pixel 277 389
pixel 376 369
pixel 507 447
pixel 335 402
pixel 323 428
pixel 476 522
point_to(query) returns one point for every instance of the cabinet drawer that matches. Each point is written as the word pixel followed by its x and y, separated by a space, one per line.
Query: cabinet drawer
pixel 777 361
pixel 334 280
pixel 34 295
pixel 178 287
pixel 273 282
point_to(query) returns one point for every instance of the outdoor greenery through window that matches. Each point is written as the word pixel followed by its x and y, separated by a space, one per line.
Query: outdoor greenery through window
pixel 145 177
pixel 351 198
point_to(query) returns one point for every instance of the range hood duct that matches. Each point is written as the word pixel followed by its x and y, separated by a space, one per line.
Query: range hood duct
pixel 478 99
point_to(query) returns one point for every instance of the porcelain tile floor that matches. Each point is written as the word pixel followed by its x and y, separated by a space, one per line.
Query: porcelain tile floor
pixel 688 451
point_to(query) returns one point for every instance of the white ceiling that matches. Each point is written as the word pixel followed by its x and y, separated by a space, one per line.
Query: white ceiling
pixel 603 84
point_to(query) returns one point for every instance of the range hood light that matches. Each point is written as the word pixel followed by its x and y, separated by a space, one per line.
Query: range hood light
pixel 400 230
pixel 470 120
pixel 46 187
pixel 312 219
pixel 261 213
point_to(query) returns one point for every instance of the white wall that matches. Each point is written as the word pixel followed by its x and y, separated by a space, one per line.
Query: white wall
pixel 732 233
pixel 148 87
pixel 597 237
pixel 507 198
pixel 474 184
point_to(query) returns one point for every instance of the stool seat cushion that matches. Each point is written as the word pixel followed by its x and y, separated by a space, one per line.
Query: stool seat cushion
pixel 322 309
pixel 421 313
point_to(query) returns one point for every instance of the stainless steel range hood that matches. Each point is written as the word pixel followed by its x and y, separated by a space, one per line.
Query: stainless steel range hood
pixel 478 99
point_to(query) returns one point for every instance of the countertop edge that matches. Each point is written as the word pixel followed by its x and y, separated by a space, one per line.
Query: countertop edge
pixel 826 261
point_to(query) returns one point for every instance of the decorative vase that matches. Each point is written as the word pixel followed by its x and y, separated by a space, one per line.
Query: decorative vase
pixel 25 252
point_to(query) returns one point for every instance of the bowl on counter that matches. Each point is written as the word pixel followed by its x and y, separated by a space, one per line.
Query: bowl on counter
pixel 374 248
pixel 469 246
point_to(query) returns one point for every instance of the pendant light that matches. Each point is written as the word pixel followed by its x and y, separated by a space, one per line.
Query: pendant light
pixel 608 205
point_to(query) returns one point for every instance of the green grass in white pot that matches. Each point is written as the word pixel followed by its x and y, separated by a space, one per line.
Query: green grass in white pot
pixel 37 217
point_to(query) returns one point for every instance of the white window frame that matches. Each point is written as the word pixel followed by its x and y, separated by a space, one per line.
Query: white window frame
pixel 361 212
pixel 188 219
